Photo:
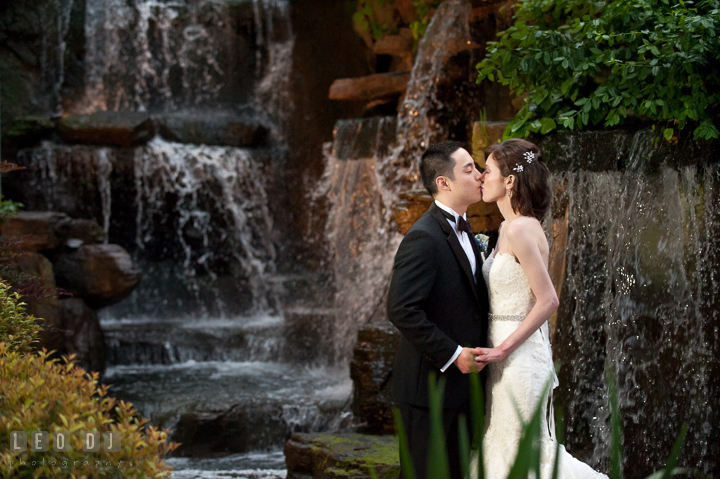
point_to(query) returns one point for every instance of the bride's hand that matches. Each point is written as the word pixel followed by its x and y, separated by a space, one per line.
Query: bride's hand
pixel 489 355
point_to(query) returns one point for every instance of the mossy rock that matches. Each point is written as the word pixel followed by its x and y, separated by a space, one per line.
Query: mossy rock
pixel 342 456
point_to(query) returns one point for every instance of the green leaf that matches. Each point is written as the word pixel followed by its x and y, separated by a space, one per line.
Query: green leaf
pixel 404 448
pixel 668 133
pixel 437 465
pixel 548 124
pixel 477 400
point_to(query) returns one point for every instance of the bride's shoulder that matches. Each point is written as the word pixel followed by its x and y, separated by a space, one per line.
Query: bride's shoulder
pixel 522 227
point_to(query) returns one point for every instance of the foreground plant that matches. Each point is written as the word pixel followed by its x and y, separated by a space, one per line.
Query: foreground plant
pixel 527 461
pixel 42 394
pixel 583 64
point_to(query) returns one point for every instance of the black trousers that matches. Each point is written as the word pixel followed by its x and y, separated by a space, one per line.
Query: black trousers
pixel 416 421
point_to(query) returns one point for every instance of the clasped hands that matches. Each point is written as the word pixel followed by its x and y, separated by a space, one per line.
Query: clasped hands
pixel 475 359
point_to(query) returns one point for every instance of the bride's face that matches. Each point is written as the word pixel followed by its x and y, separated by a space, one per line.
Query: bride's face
pixel 494 183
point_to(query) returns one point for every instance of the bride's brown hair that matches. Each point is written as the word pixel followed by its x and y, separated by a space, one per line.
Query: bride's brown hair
pixel 531 193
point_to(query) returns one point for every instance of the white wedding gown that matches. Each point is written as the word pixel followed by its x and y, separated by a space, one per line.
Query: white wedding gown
pixel 515 385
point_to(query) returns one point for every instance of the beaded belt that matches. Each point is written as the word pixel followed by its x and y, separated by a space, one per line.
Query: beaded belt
pixel 505 317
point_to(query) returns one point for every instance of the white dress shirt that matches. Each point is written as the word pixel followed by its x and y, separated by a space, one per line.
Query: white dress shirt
pixel 465 242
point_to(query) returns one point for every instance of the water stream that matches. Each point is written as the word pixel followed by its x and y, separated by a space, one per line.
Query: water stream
pixel 640 296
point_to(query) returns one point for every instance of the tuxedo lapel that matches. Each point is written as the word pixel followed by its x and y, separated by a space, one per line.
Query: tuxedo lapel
pixel 456 248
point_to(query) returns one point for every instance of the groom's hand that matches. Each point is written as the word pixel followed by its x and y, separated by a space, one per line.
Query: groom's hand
pixel 466 361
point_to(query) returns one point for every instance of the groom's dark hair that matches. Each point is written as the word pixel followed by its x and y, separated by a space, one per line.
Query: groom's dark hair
pixel 436 161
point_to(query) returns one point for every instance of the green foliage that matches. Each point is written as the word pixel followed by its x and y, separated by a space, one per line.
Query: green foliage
pixel 8 208
pixel 583 64
pixel 437 458
pixel 372 20
pixel 380 18
pixel 42 394
pixel 18 330
pixel 418 26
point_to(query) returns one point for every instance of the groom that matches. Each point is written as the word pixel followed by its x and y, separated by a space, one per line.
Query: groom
pixel 439 302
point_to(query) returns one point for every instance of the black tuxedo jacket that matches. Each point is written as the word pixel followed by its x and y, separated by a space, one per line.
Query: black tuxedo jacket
pixel 435 303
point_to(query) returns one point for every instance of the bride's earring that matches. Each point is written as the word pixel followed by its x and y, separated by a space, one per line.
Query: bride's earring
pixel 507 193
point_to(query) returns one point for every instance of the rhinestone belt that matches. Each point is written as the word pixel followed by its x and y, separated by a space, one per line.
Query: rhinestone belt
pixel 505 317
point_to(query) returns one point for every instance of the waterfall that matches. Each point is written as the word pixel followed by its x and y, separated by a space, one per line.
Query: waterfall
pixel 417 125
pixel 361 241
pixel 219 206
pixel 197 217
pixel 640 297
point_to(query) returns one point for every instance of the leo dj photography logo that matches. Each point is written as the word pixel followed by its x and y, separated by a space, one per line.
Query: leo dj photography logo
pixel 92 441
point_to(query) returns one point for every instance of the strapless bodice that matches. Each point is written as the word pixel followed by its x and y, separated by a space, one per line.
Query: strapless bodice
pixel 509 288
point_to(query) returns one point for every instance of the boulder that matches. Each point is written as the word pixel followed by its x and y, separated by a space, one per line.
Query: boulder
pixel 371 371
pixel 369 87
pixel 71 327
pixel 37 266
pixel 47 230
pixel 102 274
pixel 395 45
pixel 70 230
pixel 119 128
pixel 33 230
pixel 399 47
pixel 225 129
pixel 341 455
pixel 483 217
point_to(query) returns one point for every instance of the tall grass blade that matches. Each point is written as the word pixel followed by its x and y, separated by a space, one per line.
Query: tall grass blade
pixel 437 465
pixel 464 445
pixel 405 457
pixel 616 430
pixel 667 472
pixel 373 473
pixel 477 402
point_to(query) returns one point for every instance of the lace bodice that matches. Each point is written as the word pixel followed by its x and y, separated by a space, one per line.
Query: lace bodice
pixel 510 292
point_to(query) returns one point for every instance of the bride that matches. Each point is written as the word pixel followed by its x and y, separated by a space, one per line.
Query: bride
pixel 522 298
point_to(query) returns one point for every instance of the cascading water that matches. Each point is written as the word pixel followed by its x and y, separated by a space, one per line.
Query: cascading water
pixel 201 345
pixel 357 230
pixel 153 54
pixel 640 298
pixel 417 125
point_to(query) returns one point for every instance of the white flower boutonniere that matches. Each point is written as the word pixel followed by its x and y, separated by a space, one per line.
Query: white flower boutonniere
pixel 482 242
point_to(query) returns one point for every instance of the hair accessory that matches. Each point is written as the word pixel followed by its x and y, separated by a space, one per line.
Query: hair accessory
pixel 519 168
pixel 529 156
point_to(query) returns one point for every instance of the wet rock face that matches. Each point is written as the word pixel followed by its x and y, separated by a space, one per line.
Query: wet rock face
pixel 371 372
pixel 343 455
pixel 309 334
pixel 217 128
pixel 101 274
pixel 124 129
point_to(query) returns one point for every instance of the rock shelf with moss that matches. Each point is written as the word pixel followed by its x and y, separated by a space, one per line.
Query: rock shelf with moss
pixel 341 456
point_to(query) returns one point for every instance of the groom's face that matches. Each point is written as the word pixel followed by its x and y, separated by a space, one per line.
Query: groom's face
pixel 466 188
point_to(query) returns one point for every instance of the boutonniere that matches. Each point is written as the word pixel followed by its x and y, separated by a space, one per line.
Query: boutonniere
pixel 482 242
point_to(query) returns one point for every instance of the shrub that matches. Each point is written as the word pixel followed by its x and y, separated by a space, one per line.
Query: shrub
pixel 18 330
pixel 42 394
pixel 599 63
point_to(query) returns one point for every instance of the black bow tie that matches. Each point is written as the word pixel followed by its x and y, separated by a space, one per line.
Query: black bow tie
pixel 462 224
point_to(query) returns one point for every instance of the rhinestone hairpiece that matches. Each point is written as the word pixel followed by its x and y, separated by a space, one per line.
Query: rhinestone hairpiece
pixel 529 156
pixel 518 168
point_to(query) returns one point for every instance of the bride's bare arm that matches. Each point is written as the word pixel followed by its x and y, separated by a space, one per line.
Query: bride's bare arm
pixel 524 242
